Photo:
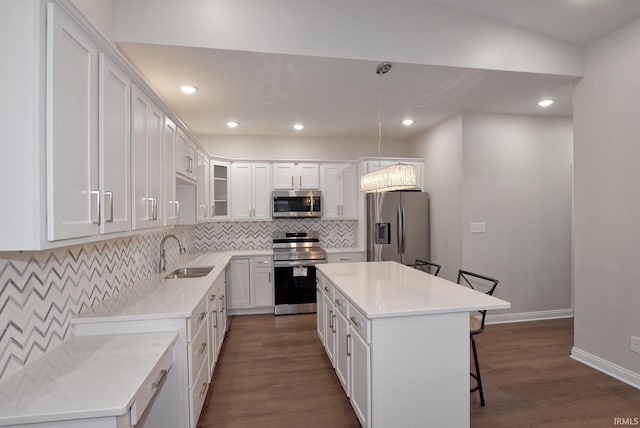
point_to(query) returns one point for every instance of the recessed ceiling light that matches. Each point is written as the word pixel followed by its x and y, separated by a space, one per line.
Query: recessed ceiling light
pixel 188 89
pixel 545 103
pixel 298 127
pixel 232 124
pixel 407 122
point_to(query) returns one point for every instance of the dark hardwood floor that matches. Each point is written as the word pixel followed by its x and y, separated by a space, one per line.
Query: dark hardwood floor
pixel 273 372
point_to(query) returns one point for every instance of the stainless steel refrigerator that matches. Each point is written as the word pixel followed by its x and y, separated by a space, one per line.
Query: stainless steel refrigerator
pixel 398 226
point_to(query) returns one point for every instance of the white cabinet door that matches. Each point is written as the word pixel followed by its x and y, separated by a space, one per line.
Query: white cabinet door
pixel 239 288
pixel 283 176
pixel 262 191
pixel 114 139
pixel 219 190
pixel 262 284
pixel 360 377
pixel 342 357
pixel 73 196
pixel 146 162
pixel 171 206
pixel 350 191
pixel 186 155
pixel 202 188
pixel 295 176
pixel 338 183
pixel 251 191
pixel 330 332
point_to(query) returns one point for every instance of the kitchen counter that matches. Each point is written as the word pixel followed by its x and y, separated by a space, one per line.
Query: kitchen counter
pixel 390 289
pixel 85 378
pixel 155 296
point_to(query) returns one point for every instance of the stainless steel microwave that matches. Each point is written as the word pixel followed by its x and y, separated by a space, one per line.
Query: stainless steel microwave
pixel 288 204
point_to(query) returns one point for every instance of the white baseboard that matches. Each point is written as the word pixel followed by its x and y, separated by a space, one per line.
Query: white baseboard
pixel 606 367
pixel 251 311
pixel 529 316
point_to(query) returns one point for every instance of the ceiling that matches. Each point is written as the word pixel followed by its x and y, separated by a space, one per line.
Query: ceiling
pixel 267 93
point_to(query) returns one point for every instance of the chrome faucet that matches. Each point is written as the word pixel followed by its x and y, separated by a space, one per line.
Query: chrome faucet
pixel 163 254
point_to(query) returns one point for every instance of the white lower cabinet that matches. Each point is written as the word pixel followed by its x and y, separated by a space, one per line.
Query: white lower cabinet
pixel 251 284
pixel 360 375
pixel 200 336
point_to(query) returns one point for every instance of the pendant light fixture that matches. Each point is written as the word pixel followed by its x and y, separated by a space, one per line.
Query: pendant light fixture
pixel 399 176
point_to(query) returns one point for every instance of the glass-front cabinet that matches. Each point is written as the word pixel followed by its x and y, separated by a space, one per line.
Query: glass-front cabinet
pixel 219 190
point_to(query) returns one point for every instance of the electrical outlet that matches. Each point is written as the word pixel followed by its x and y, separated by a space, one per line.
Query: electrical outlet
pixel 478 227
pixel 635 344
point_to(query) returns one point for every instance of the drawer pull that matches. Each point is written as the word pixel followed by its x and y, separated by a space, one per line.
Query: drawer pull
pixel 355 322
pixel 338 302
pixel 212 297
pixel 203 315
pixel 204 388
pixel 202 348
pixel 326 289
pixel 160 381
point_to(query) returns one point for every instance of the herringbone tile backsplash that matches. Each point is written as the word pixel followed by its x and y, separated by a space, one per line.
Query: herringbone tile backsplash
pixel 40 291
pixel 243 235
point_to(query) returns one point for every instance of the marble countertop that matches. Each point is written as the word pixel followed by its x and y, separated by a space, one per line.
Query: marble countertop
pixel 84 377
pixel 390 289
pixel 155 296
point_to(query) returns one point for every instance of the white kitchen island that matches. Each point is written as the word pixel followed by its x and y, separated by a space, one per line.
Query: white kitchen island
pixel 399 341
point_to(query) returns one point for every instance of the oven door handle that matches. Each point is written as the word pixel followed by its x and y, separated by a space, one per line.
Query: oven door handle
pixel 290 263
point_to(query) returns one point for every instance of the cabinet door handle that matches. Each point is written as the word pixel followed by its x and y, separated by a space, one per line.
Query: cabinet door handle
pixel 292 181
pixel 269 277
pixel 202 348
pixel 96 199
pixel 348 350
pixel 204 388
pixel 160 381
pixel 222 301
pixel 203 315
pixel 155 208
pixel 334 323
pixel 177 208
pixel 300 177
pixel 331 320
pixel 356 323
pixel 215 325
pixel 212 212
pixel 109 195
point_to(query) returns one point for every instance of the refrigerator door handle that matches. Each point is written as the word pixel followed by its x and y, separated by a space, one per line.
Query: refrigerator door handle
pixel 403 228
pixel 399 230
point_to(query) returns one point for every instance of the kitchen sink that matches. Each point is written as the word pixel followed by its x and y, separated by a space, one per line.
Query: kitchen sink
pixel 189 272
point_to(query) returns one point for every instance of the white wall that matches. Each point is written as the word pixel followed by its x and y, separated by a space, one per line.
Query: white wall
pixel 517 179
pixel 514 174
pixel 411 31
pixel 299 148
pixel 607 206
pixel 441 148
pixel 100 14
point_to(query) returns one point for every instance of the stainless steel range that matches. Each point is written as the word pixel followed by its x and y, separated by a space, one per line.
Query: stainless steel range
pixel 295 255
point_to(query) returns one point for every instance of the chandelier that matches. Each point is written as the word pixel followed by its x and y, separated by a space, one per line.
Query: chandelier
pixel 399 176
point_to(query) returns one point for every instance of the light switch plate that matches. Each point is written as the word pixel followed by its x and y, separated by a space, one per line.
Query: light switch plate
pixel 635 344
pixel 478 227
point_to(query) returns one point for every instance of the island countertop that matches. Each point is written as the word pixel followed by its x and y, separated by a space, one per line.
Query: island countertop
pixel 390 289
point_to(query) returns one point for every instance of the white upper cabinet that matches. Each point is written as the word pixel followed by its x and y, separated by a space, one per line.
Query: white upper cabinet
pixel 202 188
pixel 186 155
pixel 295 176
pixel 73 192
pixel 338 183
pixel 219 190
pixel 251 191
pixel 170 202
pixel 146 162
pixel 114 143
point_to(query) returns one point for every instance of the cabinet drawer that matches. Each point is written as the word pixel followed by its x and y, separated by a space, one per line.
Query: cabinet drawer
pixel 262 261
pixel 151 386
pixel 197 320
pixel 198 351
pixel 360 323
pixel 354 257
pixel 341 302
pixel 198 393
